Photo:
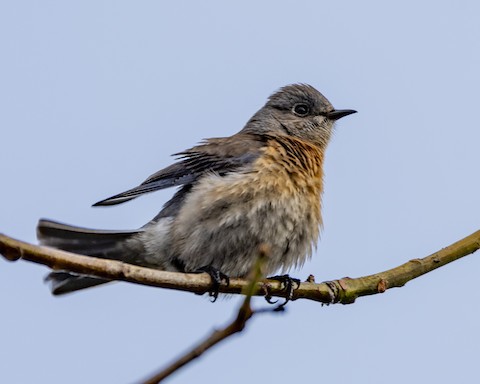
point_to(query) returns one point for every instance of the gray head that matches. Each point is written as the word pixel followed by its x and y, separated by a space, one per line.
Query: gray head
pixel 298 110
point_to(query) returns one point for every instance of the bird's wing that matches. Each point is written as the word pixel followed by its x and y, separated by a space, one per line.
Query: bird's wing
pixel 219 155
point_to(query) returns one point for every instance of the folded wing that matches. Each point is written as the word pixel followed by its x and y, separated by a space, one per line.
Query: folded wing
pixel 219 155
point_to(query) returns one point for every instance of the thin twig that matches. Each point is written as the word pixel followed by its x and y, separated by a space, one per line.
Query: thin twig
pixel 343 291
pixel 245 312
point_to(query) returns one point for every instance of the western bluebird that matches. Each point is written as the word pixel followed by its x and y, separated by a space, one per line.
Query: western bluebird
pixel 260 186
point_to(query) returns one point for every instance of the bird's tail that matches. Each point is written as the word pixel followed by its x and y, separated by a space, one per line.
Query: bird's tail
pixel 91 242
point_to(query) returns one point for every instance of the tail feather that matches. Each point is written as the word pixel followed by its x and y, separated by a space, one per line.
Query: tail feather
pixel 91 242
pixel 85 241
pixel 62 282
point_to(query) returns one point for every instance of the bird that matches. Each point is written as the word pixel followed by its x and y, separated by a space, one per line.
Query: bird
pixel 260 186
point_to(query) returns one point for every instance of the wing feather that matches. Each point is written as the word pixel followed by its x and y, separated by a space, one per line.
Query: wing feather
pixel 220 155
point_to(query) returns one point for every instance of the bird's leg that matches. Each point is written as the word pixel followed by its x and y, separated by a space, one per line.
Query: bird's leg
pixel 288 286
pixel 217 279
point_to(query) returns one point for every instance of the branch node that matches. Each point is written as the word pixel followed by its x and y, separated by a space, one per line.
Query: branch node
pixel 340 292
pixel 333 291
pixel 418 261
pixel 382 286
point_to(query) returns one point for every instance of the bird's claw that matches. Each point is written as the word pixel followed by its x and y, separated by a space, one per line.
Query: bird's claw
pixel 267 295
pixel 217 279
pixel 288 286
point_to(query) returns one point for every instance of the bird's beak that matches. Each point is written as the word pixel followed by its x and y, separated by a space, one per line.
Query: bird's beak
pixel 339 113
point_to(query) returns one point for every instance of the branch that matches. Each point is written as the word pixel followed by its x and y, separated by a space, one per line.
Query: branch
pixel 344 290
pixel 245 312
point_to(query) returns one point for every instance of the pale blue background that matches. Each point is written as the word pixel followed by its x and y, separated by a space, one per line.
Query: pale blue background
pixel 95 96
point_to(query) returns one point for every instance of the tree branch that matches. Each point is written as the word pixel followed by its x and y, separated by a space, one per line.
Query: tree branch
pixel 245 312
pixel 344 290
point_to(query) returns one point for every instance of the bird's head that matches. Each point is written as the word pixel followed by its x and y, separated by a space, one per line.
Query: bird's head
pixel 298 110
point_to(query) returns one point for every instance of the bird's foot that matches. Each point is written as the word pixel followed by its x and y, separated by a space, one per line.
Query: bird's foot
pixel 288 284
pixel 217 279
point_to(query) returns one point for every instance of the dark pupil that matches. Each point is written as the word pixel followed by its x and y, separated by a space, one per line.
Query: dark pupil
pixel 301 109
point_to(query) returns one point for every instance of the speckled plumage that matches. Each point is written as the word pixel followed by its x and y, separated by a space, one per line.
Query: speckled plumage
pixel 260 186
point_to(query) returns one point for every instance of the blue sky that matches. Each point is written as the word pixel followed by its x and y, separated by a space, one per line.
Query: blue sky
pixel 95 97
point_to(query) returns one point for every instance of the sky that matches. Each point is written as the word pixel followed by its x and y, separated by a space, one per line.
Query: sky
pixel 96 95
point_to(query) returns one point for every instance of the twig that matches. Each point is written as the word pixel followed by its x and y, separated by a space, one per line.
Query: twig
pixel 343 291
pixel 245 312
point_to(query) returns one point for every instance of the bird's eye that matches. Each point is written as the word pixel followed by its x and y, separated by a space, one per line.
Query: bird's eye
pixel 301 109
